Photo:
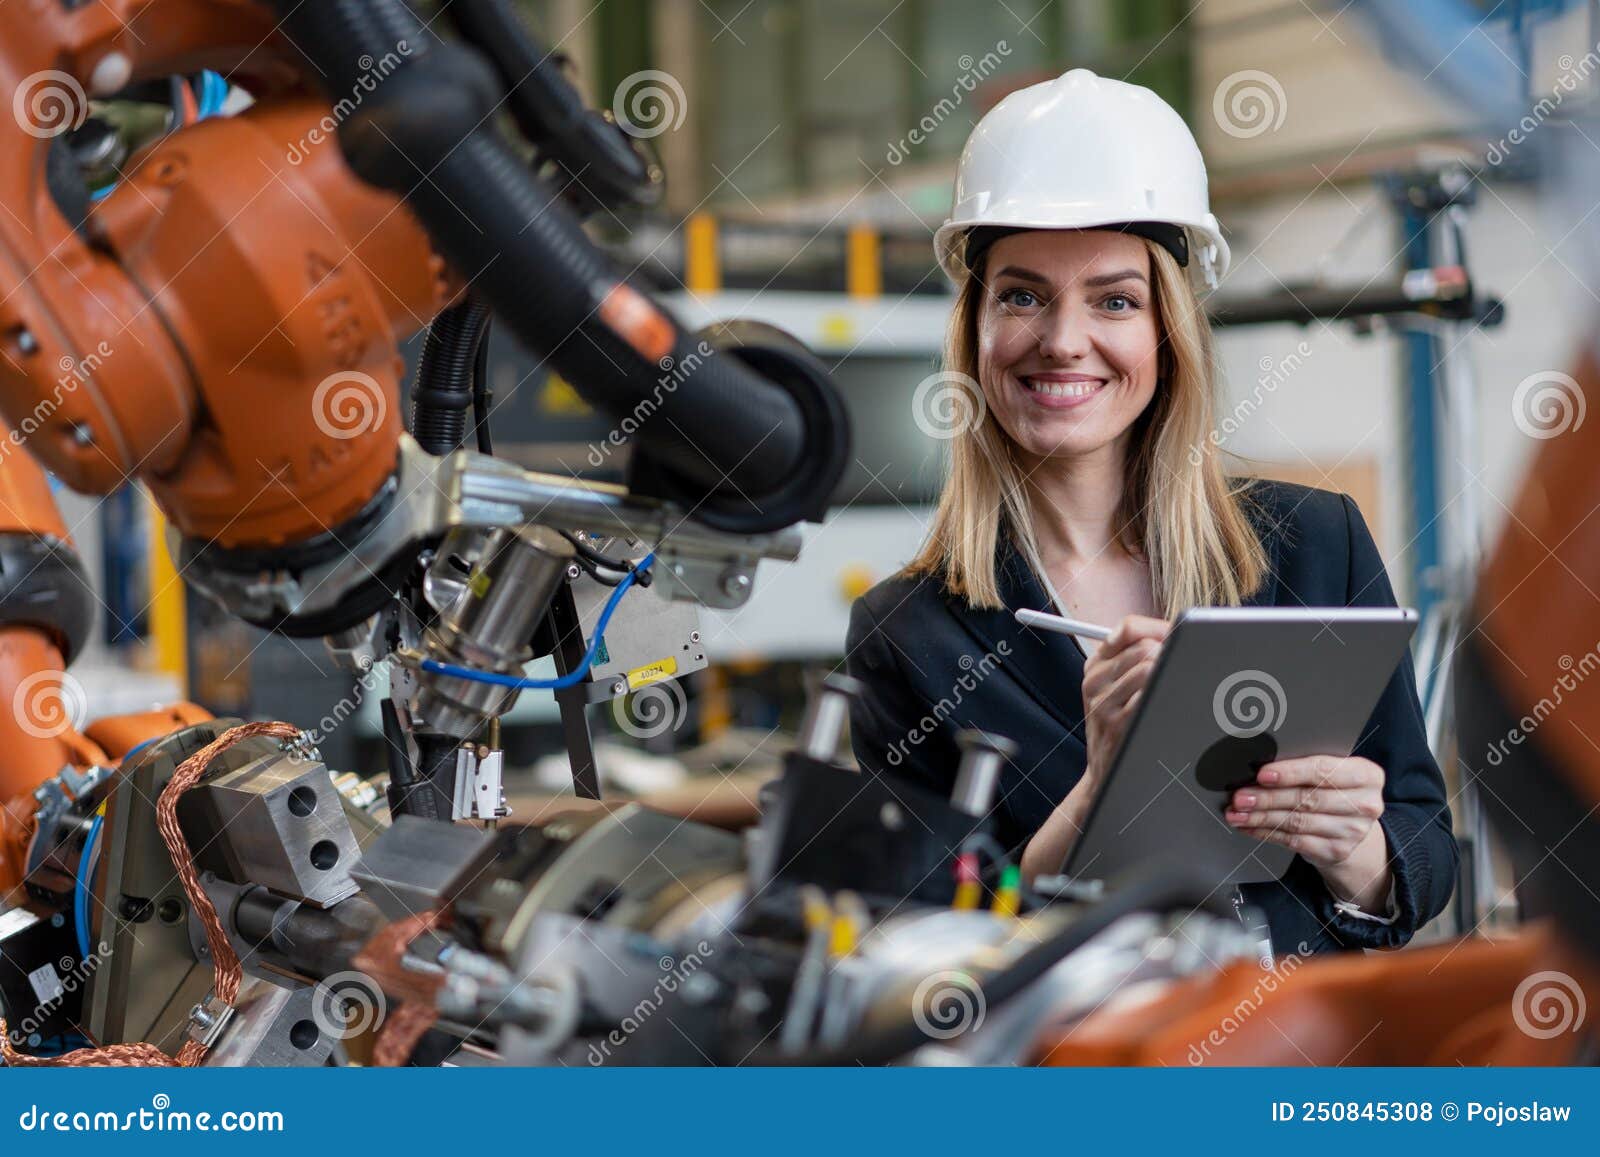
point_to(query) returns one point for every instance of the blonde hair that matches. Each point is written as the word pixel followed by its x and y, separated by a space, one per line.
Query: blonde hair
pixel 1178 511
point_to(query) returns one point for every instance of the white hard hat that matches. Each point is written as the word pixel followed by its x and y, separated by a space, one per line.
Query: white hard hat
pixel 1078 152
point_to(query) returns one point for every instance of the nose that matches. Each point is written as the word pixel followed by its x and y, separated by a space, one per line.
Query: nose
pixel 1063 333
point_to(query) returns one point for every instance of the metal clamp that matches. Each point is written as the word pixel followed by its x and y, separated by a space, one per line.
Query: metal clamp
pixel 465 489
pixel 208 1019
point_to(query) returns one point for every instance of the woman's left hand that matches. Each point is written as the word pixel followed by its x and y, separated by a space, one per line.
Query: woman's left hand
pixel 1326 808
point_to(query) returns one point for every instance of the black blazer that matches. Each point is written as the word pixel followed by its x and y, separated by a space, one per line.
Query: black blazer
pixel 933 666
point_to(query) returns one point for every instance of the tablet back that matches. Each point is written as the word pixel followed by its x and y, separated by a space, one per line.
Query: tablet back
pixel 1235 688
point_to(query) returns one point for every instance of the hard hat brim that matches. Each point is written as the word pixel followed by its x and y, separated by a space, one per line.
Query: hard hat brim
pixel 1209 251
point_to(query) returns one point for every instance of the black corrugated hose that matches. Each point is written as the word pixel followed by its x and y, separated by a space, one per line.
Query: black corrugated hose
pixel 446 375
pixel 718 429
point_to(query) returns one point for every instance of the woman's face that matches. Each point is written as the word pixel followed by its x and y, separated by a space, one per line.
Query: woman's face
pixel 1067 338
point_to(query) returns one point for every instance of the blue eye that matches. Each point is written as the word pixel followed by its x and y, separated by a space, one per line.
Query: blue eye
pixel 1022 298
pixel 1126 300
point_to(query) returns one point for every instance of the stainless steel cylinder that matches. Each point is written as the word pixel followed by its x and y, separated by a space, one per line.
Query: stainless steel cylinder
pixel 487 627
pixel 825 717
pixel 982 757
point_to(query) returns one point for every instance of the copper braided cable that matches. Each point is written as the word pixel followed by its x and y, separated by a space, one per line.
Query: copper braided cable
pixel 228 972
pixel 400 1035
pixel 381 959
pixel 129 1056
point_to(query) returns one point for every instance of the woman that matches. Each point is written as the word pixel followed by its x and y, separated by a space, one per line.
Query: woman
pixel 1081 482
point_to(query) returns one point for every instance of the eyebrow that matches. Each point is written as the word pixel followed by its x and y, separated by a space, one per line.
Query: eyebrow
pixel 1019 272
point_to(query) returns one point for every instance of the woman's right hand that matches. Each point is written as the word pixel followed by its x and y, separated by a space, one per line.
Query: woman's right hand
pixel 1114 679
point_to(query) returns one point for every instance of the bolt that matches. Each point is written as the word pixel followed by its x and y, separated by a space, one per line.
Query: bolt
pixel 618 687
pixel 34 1040
pixel 573 570
pixel 82 435
pixel 694 636
pixel 57 920
pixel 735 584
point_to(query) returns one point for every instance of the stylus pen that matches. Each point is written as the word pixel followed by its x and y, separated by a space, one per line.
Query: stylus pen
pixel 1062 626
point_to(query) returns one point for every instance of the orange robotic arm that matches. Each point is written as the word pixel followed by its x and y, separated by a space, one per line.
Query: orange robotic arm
pixel 46 608
pixel 180 331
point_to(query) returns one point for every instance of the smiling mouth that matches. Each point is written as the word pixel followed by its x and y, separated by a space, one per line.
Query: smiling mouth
pixel 1054 389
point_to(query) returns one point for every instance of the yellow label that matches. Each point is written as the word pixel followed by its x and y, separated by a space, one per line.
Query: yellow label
pixel 652 672
pixel 478 584
pixel 558 397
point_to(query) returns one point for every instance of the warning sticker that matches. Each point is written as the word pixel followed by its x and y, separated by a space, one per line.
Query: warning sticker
pixel 46 984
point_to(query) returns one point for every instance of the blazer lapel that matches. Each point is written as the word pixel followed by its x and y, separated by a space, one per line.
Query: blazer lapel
pixel 1049 667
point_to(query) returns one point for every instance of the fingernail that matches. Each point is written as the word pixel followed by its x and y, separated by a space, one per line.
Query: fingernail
pixel 1244 801
pixel 1234 817
pixel 1266 775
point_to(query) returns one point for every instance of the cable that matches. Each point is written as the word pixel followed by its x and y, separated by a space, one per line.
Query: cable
pixel 443 391
pixel 571 678
pixel 593 555
pixel 983 841
pixel 213 94
pixel 482 395
pixel 83 880
pixel 606 571
pixel 137 748
pixel 81 884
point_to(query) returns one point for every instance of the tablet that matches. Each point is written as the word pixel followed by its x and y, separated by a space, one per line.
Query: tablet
pixel 1234 688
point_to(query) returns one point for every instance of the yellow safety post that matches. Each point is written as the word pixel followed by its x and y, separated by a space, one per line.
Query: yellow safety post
pixel 702 271
pixel 863 262
pixel 169 624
